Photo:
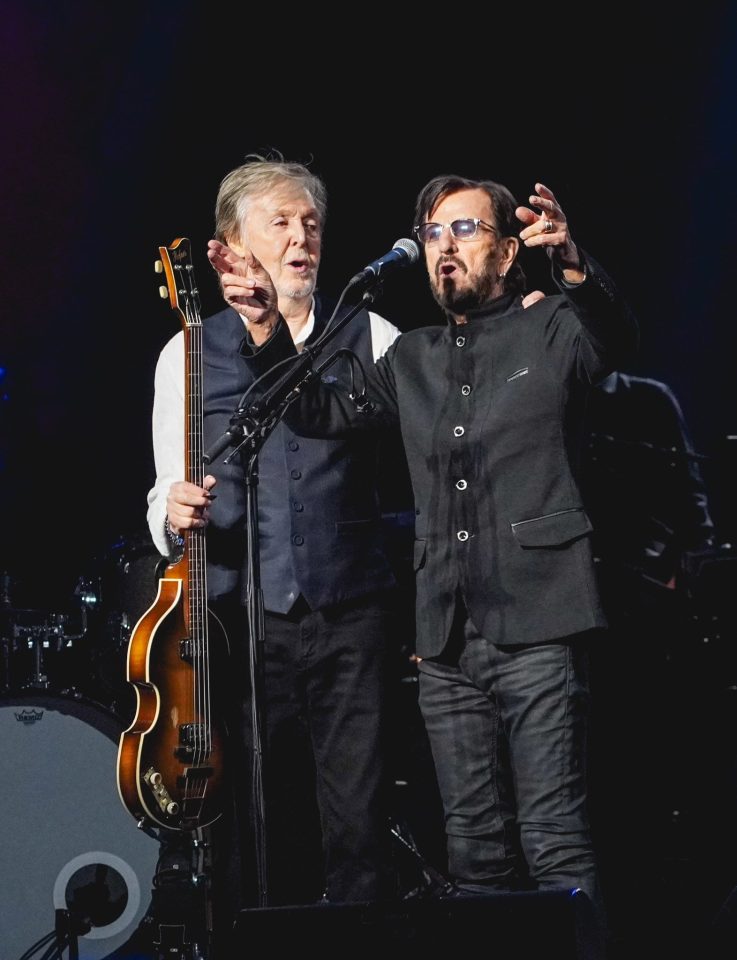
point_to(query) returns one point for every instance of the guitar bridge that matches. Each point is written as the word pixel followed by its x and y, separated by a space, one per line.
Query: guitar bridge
pixel 195 773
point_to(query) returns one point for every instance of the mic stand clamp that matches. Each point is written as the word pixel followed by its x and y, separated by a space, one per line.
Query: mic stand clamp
pixel 362 403
pixel 263 415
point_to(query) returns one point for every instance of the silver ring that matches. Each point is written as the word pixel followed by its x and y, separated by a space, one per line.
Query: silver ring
pixel 549 226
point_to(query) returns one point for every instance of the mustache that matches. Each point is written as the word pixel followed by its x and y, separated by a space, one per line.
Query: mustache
pixel 449 259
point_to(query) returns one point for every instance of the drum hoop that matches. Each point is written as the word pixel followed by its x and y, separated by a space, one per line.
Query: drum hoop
pixel 81 708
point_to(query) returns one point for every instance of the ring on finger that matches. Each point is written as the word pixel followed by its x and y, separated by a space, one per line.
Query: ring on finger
pixel 549 226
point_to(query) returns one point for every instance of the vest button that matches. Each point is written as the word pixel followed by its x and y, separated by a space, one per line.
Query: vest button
pixel 462 535
pixel 298 506
pixel 293 445
pixel 465 389
pixel 460 341
pixel 461 484
pixel 295 474
pixel 458 431
pixel 298 540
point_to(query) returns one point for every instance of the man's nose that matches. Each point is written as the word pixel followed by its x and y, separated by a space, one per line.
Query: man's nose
pixel 298 232
pixel 446 241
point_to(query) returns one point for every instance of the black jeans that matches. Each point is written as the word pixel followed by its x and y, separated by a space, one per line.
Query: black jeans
pixel 326 775
pixel 507 728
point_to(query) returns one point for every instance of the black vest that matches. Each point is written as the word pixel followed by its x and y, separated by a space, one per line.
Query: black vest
pixel 320 532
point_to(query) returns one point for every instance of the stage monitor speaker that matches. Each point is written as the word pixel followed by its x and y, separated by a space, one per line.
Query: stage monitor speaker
pixel 505 926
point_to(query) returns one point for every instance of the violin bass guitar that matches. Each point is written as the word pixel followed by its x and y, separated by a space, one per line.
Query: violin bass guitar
pixel 171 759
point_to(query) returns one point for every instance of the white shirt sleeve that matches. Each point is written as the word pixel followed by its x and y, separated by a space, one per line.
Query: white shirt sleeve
pixel 383 334
pixel 167 422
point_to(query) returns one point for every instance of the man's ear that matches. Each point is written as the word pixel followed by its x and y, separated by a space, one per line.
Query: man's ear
pixel 511 249
pixel 237 247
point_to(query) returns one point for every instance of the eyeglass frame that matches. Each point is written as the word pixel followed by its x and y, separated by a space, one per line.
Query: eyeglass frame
pixel 475 220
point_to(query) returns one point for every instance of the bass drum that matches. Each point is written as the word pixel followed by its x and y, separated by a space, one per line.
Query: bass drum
pixel 68 842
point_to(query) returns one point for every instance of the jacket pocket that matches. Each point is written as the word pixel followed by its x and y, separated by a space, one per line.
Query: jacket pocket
pixel 553 529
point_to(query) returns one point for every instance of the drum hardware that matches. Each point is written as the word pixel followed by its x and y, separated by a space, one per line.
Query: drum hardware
pixel 73 865
pixel 67 931
pixel 91 594
pixel 115 589
pixel 173 945
pixel 32 635
pixel 182 901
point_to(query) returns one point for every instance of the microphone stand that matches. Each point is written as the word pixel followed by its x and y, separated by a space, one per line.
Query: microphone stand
pixel 250 428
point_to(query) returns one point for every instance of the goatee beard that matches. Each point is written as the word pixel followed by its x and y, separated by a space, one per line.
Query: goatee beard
pixel 460 302
pixel 475 294
pixel 452 301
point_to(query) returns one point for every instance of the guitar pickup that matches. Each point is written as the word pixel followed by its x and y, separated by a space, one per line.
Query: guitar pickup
pixel 193 734
pixel 194 739
pixel 188 649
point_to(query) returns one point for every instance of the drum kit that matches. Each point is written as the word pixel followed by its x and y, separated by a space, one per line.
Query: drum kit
pixel 75 868
pixel 78 875
pixel 76 872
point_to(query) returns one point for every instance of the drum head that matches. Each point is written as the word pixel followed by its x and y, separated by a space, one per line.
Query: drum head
pixel 68 842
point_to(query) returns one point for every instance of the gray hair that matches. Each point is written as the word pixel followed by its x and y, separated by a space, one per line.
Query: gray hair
pixel 257 176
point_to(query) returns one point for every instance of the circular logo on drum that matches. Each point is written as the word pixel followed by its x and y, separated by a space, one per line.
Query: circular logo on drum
pixel 100 892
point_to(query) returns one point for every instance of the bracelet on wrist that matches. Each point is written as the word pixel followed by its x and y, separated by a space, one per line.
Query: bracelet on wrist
pixel 175 539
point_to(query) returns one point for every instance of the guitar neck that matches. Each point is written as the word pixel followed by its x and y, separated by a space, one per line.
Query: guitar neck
pixel 194 470
pixel 193 445
pixel 184 298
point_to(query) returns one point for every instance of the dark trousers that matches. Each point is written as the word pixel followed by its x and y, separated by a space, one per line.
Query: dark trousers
pixel 325 770
pixel 507 727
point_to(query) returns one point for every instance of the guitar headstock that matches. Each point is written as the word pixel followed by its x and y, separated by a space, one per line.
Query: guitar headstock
pixel 181 286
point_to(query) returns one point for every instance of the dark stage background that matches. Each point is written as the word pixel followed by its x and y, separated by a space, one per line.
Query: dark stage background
pixel 119 122
pixel 118 127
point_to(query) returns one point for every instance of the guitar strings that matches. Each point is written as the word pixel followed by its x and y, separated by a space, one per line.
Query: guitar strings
pixel 202 733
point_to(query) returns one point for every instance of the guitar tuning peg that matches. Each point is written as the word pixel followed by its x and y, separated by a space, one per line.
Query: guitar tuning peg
pixel 163 293
pixel 158 266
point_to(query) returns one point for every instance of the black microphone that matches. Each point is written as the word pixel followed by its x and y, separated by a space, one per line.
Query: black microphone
pixel 402 254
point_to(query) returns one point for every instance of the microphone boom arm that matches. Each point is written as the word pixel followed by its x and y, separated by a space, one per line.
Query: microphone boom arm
pixel 261 416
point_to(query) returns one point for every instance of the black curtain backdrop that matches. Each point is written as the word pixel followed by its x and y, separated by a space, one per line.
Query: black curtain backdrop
pixel 119 124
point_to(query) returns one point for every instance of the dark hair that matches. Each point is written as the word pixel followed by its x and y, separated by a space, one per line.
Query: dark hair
pixel 502 202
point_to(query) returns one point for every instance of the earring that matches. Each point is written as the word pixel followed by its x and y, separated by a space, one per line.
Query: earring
pixel 501 276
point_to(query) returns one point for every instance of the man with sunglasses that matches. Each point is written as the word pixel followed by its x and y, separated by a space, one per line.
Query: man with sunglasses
pixel 491 407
